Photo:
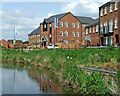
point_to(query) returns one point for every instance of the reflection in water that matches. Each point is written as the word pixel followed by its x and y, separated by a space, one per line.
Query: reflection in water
pixel 46 84
pixel 31 81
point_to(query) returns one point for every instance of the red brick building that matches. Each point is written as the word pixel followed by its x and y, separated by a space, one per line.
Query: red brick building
pixel 18 43
pixel 4 43
pixel 70 30
pixel 92 34
pixel 109 15
pixel 34 38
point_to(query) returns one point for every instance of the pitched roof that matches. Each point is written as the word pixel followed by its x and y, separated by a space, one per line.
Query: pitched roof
pixel 51 18
pixel 36 31
pixel 105 4
pixel 95 22
pixel 85 20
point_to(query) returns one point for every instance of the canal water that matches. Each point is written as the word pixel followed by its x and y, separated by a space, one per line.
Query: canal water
pixel 19 79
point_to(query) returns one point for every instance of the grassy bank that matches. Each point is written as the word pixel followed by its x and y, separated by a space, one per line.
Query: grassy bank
pixel 62 63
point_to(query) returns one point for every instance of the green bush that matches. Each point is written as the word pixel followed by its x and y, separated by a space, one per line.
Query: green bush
pixel 94 84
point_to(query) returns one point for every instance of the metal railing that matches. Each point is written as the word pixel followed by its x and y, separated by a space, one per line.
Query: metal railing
pixel 98 70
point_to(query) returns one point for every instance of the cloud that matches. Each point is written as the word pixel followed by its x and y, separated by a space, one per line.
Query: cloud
pixel 24 23
pixel 50 14
pixel 84 7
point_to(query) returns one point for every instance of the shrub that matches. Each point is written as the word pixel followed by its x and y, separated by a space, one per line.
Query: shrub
pixel 111 47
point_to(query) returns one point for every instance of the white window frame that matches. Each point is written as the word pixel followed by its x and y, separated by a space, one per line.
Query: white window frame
pixel 90 30
pixel 111 25
pixel 45 26
pixel 105 25
pixel 77 25
pixel 66 33
pixel 77 41
pixel 111 8
pixel 116 22
pixel 116 5
pixel 96 28
pixel 66 24
pixel 77 34
pixel 61 33
pixel 111 40
pixel 65 41
pixel 73 25
pixel 61 24
pixel 84 26
pixel 101 14
pixel 73 34
pixel 105 10
pixel 50 25
pixel 86 30
pixel 83 34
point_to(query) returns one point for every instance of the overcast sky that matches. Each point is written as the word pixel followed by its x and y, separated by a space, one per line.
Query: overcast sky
pixel 26 16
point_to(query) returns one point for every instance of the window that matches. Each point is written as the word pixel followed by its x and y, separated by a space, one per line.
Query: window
pixel 73 25
pixel 93 29
pixel 84 26
pixel 105 41
pixel 61 33
pixel 66 33
pixel 111 40
pixel 77 25
pixel 111 7
pixel 61 24
pixel 77 34
pixel 50 25
pixel 96 28
pixel 65 42
pixel 71 40
pixel 116 23
pixel 44 25
pixel 111 26
pixel 86 30
pixel 73 34
pixel 83 34
pixel 106 27
pixel 77 41
pixel 90 29
pixel 60 40
pixel 116 6
pixel 66 24
pixel 101 11
pixel 101 28
pixel 106 10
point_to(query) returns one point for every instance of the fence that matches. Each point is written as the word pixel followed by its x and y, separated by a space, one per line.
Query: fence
pixel 98 70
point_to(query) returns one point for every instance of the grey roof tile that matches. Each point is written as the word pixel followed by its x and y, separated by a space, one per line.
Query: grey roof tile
pixel 95 22
pixel 36 31
pixel 85 20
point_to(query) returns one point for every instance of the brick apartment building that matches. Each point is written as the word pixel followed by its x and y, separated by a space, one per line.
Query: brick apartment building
pixel 92 34
pixel 109 15
pixel 34 38
pixel 70 30
pixel 77 30
pixel 18 43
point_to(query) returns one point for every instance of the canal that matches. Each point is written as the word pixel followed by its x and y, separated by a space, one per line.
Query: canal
pixel 26 79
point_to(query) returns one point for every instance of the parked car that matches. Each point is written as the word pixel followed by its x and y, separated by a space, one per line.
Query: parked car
pixel 52 47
